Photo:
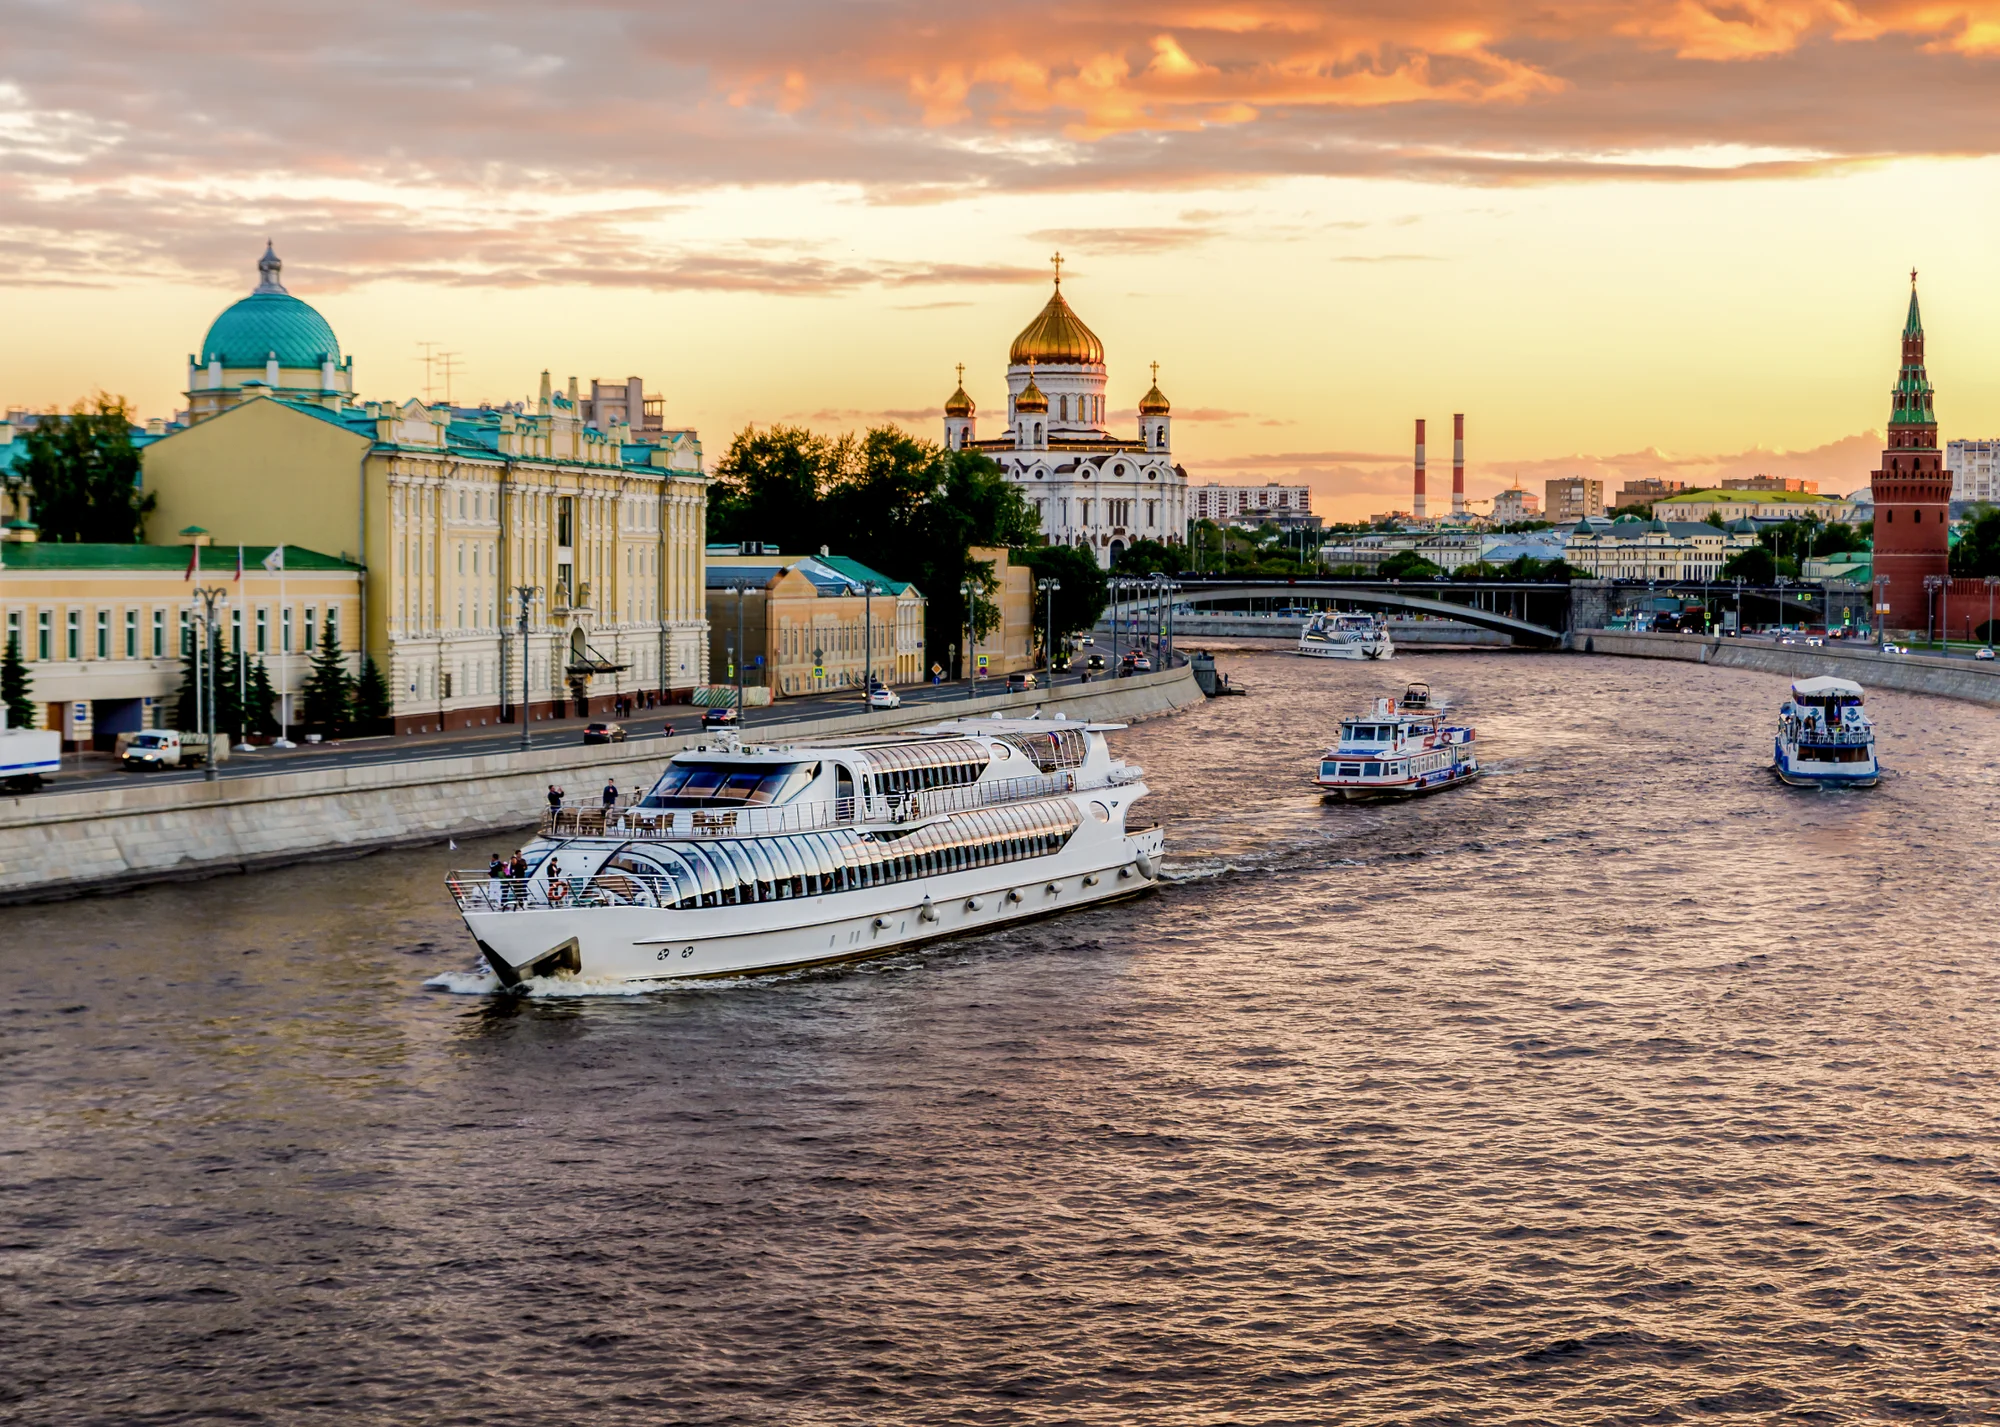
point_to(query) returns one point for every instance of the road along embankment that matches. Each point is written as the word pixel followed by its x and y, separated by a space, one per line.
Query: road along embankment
pixel 1192 629
pixel 107 839
pixel 1977 683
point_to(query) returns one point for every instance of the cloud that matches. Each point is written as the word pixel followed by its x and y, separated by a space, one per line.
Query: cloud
pixel 523 143
pixel 846 416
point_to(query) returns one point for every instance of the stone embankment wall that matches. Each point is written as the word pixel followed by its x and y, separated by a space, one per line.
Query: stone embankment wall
pixel 1191 629
pixel 1908 673
pixel 59 844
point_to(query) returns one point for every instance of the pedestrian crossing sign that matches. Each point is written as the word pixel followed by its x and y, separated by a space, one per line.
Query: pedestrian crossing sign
pixel 982 663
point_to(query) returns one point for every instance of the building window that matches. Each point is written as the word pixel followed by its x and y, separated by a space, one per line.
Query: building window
pixel 187 635
pixel 236 630
pixel 14 630
pixel 159 634
pixel 312 640
pixel 263 631
pixel 131 634
pixel 565 521
pixel 104 634
pixel 73 632
pixel 285 630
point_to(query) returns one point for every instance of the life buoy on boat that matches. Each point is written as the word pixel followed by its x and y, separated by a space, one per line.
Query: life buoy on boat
pixel 558 892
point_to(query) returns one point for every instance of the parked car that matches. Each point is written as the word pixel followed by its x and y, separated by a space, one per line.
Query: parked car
pixel 882 697
pixel 720 717
pixel 1020 682
pixel 604 733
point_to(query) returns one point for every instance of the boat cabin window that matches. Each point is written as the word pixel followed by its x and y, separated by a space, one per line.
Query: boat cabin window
pixel 704 785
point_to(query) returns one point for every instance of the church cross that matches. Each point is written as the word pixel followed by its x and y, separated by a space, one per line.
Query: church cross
pixel 961 374
pixel 1913 277
pixel 1156 374
pixel 1057 260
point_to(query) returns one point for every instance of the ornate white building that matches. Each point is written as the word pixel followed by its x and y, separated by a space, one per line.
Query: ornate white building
pixel 1091 489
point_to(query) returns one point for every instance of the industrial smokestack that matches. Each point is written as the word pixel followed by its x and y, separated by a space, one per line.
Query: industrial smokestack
pixel 1418 511
pixel 1458 464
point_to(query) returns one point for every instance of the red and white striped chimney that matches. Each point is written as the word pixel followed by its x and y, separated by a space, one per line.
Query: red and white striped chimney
pixel 1418 510
pixel 1458 464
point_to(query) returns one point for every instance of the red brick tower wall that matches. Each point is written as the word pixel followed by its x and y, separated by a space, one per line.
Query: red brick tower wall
pixel 1912 491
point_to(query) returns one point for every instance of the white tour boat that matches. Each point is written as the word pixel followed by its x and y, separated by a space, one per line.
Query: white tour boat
pixel 753 858
pixel 1346 636
pixel 1824 739
pixel 1400 746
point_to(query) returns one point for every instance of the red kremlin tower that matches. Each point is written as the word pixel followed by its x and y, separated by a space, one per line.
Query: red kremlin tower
pixel 1912 491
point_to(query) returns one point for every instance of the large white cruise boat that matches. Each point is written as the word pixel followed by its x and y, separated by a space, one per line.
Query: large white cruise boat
pixel 1824 739
pixel 1346 636
pixel 752 858
pixel 1399 747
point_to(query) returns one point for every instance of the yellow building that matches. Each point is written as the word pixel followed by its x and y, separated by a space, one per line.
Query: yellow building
pixel 454 512
pixel 1629 548
pixel 1733 505
pixel 102 627
pixel 1010 646
pixel 810 624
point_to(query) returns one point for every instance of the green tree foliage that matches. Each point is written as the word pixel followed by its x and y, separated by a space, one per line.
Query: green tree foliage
pixel 1978 550
pixel 1792 541
pixel 1514 527
pixel 16 687
pixel 1148 557
pixel 901 505
pixel 190 709
pixel 260 708
pixel 1408 565
pixel 1642 510
pixel 1079 604
pixel 1755 564
pixel 371 699
pixel 83 473
pixel 328 693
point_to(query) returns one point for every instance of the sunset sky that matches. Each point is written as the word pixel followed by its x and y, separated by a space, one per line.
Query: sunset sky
pixel 1655 236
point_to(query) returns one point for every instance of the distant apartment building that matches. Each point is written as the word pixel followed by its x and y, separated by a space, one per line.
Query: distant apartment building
pixel 1252 505
pixel 1646 491
pixel 1772 483
pixel 1572 498
pixel 1515 504
pixel 1975 469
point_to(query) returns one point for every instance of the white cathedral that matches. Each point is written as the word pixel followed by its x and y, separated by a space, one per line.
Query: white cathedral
pixel 1091 489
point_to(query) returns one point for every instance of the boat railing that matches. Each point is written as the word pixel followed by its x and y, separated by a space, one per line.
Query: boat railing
pixel 473 891
pixel 635 822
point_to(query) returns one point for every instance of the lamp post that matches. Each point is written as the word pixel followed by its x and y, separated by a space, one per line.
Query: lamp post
pixel 869 589
pixel 1880 612
pixel 1048 586
pixel 1782 582
pixel 1739 606
pixel 739 588
pixel 527 595
pixel 1991 581
pixel 968 592
pixel 1932 584
pixel 206 599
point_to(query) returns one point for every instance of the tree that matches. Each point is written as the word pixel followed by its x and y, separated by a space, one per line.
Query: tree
pixel 1148 557
pixel 260 707
pixel 1978 549
pixel 1754 565
pixel 16 687
pixel 1714 517
pixel 1079 604
pixel 83 472
pixel 328 692
pixel 769 484
pixel 1407 565
pixel 1641 509
pixel 371 699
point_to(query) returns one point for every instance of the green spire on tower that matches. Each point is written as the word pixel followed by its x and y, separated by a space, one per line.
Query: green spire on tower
pixel 1910 401
pixel 1913 325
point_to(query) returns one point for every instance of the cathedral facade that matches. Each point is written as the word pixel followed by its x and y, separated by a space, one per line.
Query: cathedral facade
pixel 1091 489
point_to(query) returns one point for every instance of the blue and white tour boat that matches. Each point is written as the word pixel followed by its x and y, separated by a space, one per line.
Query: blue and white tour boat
pixel 1399 747
pixel 1346 636
pixel 743 858
pixel 1825 740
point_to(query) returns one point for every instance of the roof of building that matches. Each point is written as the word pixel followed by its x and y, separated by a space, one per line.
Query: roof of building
pixel 218 560
pixel 831 575
pixel 269 322
pixel 1154 402
pixel 1057 335
pixel 1032 397
pixel 1631 527
pixel 1712 496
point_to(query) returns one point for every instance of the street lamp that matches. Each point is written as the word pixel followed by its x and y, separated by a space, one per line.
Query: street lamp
pixel 967 593
pixel 1932 584
pixel 1048 586
pixel 1782 582
pixel 1991 581
pixel 206 599
pixel 869 589
pixel 740 588
pixel 527 595
pixel 1881 611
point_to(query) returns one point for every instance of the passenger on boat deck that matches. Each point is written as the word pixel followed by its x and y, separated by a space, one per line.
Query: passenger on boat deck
pixel 496 886
pixel 555 798
pixel 610 794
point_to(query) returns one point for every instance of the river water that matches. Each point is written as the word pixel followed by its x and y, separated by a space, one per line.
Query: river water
pixel 1624 1085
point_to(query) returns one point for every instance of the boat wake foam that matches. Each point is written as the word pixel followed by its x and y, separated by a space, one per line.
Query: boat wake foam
pixel 485 983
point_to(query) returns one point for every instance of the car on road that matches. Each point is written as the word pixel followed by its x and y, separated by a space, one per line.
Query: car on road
pixel 720 717
pixel 604 733
pixel 1020 682
pixel 884 698
pixel 1095 663
pixel 1984 653
pixel 1138 664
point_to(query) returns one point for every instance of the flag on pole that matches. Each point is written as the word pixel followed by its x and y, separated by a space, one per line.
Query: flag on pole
pixel 194 562
pixel 276 559
pixel 239 564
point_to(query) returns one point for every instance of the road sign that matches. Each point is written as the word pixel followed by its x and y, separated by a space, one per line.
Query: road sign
pixel 760 661
pixel 982 663
pixel 819 671
pixel 937 668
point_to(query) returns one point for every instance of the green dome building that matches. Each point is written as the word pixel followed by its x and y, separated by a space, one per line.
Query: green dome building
pixel 268 344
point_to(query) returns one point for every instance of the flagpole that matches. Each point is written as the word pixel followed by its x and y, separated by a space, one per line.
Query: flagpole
pixel 284 660
pixel 242 666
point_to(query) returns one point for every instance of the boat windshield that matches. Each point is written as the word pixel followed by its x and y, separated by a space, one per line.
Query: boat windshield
pixel 707 785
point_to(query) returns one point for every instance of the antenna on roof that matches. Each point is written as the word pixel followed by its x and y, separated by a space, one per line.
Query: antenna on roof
pixel 427 359
pixel 450 361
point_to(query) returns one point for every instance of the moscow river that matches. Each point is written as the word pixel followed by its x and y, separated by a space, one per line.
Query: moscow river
pixel 1624 1085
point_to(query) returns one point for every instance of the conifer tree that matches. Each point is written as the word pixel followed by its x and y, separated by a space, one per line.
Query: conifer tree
pixel 14 686
pixel 328 692
pixel 261 710
pixel 371 699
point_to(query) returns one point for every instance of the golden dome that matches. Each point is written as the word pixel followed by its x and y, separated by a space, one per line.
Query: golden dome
pixel 1153 403
pixel 958 403
pixel 1031 398
pixel 1057 335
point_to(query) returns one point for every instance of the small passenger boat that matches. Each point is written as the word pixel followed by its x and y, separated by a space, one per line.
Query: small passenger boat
pixel 744 859
pixel 1346 636
pixel 1824 738
pixel 1400 747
